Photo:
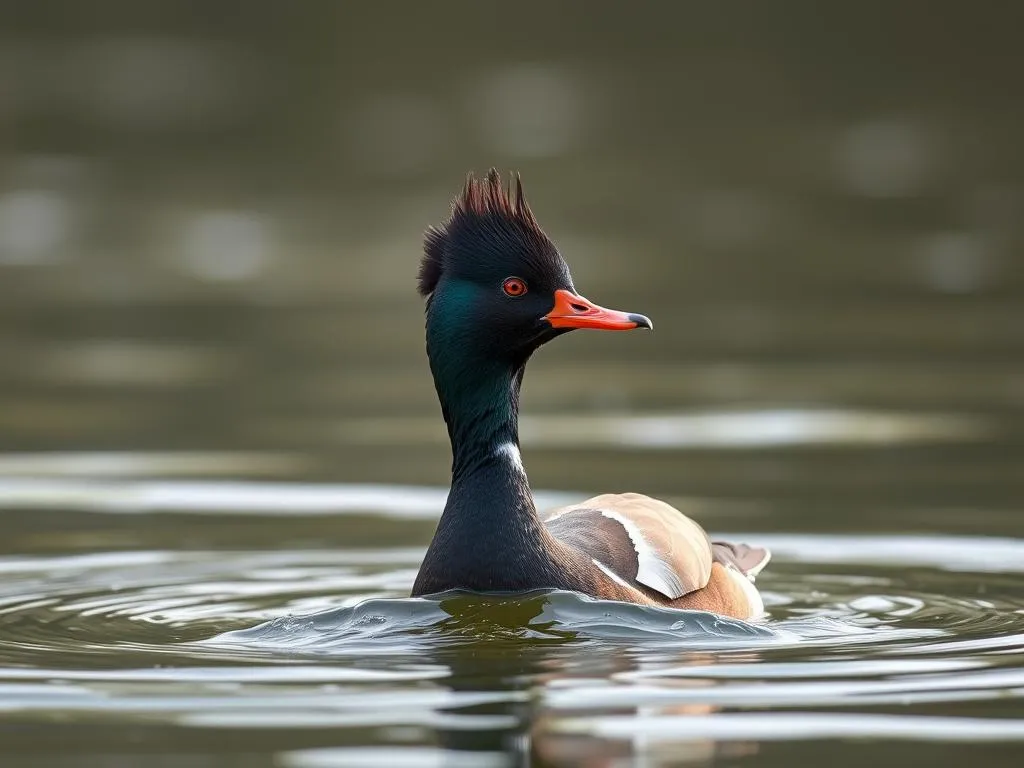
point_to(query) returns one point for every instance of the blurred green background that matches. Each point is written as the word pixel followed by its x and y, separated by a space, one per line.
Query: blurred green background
pixel 211 216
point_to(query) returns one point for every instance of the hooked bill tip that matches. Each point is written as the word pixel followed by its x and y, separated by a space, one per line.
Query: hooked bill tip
pixel 642 321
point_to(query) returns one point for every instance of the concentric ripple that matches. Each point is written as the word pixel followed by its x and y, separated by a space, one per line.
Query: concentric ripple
pixel 887 636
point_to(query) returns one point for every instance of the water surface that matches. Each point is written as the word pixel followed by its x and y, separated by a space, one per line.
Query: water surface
pixel 171 610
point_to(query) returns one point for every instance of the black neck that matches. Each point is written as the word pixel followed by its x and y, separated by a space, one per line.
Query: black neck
pixel 489 537
pixel 482 415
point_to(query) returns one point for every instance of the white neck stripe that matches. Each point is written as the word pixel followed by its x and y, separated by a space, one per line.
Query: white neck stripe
pixel 510 452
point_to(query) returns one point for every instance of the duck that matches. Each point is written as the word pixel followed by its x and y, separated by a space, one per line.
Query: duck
pixel 496 289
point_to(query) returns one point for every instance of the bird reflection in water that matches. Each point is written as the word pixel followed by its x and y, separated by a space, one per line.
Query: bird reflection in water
pixel 513 647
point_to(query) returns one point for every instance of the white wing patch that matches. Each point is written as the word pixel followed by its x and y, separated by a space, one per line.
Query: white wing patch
pixel 611 574
pixel 653 572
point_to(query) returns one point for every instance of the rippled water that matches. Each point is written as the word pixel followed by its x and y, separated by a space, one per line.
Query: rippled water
pixel 262 649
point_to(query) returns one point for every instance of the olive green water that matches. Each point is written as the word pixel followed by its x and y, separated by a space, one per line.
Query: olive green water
pixel 222 459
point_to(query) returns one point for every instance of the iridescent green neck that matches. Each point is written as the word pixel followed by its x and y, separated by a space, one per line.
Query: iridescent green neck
pixel 489 536
pixel 477 384
pixel 480 403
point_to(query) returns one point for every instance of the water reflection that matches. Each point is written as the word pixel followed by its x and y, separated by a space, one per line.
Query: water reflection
pixel 667 431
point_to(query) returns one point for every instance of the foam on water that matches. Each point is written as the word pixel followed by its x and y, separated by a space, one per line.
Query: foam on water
pixel 454 617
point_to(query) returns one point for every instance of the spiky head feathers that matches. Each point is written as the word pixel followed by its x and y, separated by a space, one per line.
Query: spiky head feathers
pixel 490 226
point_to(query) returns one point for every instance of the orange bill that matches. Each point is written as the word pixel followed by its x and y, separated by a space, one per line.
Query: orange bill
pixel 572 311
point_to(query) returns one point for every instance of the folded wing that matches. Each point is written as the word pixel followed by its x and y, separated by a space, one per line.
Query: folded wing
pixel 638 539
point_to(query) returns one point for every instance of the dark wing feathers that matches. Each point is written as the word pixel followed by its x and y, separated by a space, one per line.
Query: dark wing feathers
pixel 598 537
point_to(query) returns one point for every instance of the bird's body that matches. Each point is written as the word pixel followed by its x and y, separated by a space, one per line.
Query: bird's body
pixel 497 290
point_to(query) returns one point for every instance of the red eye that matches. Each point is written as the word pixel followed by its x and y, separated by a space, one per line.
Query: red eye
pixel 514 286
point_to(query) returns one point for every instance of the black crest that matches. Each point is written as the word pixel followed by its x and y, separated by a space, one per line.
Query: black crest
pixel 485 216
